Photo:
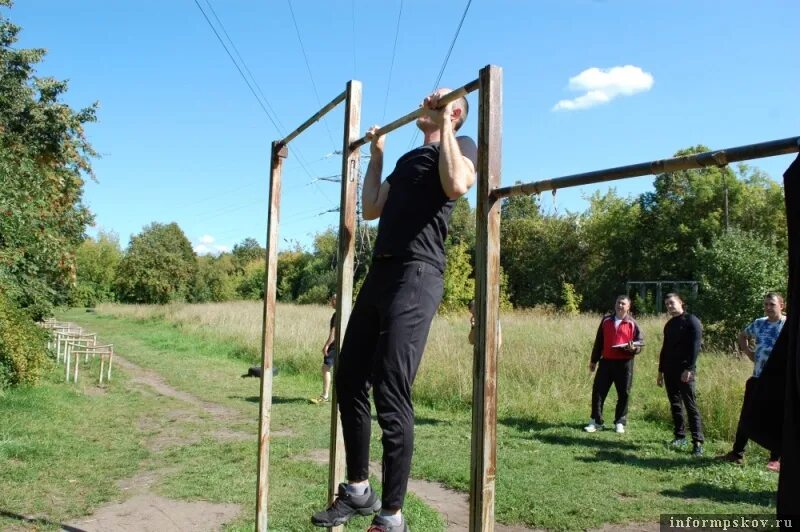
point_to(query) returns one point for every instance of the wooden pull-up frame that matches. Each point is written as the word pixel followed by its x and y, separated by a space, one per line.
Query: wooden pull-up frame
pixel 485 378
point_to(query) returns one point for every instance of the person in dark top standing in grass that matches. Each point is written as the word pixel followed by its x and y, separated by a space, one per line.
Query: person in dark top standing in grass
pixel 618 340
pixel 677 368
pixel 391 318
pixel 328 354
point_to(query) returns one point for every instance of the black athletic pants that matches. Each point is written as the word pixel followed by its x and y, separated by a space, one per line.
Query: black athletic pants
pixel 741 432
pixel 619 373
pixel 683 394
pixel 382 349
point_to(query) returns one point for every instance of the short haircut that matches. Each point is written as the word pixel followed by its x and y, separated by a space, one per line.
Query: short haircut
pixel 464 106
pixel 623 296
pixel 776 295
pixel 676 295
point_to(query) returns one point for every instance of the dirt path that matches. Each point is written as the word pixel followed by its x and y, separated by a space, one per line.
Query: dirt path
pixel 144 511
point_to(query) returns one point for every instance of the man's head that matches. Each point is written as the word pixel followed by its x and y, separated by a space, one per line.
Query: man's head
pixel 674 304
pixel 333 301
pixel 471 306
pixel 622 306
pixel 460 109
pixel 773 306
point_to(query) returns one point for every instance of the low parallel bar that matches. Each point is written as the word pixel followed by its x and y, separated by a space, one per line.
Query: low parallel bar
pixel 410 117
pixel 305 125
pixel 699 160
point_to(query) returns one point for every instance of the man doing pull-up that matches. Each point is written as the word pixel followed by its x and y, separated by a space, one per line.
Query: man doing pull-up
pixel 389 325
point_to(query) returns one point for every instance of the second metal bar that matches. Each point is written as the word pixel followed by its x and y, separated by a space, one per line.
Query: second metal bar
pixel 698 160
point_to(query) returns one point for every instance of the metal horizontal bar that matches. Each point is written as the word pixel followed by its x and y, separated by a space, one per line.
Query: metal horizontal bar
pixel 410 117
pixel 698 160
pixel 305 125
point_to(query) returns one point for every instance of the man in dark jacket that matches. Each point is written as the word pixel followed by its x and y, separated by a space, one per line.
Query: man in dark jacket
pixel 677 367
pixel 618 340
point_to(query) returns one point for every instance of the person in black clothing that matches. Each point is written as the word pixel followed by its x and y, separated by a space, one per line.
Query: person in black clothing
pixel 677 368
pixel 328 354
pixel 391 318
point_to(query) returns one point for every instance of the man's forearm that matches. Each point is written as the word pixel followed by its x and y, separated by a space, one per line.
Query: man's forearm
pixel 372 186
pixel 455 176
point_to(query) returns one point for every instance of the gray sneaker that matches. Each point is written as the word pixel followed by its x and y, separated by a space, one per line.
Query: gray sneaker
pixel 346 506
pixel 382 524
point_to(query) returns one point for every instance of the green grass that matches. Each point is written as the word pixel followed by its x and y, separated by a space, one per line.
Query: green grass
pixel 550 474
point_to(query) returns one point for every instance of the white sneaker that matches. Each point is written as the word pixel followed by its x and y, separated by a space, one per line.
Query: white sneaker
pixel 619 428
pixel 592 427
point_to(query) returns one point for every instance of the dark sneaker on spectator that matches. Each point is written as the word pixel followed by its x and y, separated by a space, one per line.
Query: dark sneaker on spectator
pixel 382 524
pixel 697 449
pixel 678 443
pixel 346 506
pixel 732 458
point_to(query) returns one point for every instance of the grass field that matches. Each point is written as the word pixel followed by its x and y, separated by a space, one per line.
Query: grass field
pixel 64 447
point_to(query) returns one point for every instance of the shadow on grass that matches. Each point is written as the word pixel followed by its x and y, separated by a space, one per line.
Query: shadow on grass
pixel 38 521
pixel 617 457
pixel 698 490
pixel 526 424
pixel 418 420
pixel 276 399
pixel 588 441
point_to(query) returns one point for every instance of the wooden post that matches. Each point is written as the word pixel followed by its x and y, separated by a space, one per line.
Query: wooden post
pixel 344 296
pixel 487 301
pixel 278 153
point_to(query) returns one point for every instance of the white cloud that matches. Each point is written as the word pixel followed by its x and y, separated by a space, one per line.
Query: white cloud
pixel 603 85
pixel 206 246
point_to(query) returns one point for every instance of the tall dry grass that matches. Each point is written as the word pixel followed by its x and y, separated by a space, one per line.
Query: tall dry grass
pixel 542 371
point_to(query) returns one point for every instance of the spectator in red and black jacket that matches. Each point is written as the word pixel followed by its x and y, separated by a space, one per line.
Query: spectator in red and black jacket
pixel 618 340
pixel 677 367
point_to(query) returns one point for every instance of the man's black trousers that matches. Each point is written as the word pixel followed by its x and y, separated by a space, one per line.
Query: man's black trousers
pixel 620 374
pixel 682 394
pixel 741 431
pixel 382 349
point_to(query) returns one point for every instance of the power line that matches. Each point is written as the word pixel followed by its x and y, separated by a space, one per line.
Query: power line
pixel 244 64
pixel 391 65
pixel 308 67
pixel 444 63
pixel 275 120
pixel 249 86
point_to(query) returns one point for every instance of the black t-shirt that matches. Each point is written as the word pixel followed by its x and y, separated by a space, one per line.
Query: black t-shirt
pixel 683 336
pixel 414 219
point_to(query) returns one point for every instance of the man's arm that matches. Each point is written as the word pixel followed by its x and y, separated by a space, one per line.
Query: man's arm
pixel 696 340
pixel 329 341
pixel 374 193
pixel 744 345
pixel 456 162
pixel 597 349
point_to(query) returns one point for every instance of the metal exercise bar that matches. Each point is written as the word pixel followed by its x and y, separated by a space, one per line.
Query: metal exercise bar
pixel 698 160
pixel 305 125
pixel 410 117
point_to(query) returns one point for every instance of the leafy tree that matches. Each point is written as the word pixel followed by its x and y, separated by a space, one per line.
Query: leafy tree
pixel 251 284
pixel 539 255
pixel 247 251
pixel 735 272
pixel 462 225
pixel 159 266
pixel 610 232
pixel 216 279
pixel 44 157
pixel 23 357
pixel 96 262
pixel 459 284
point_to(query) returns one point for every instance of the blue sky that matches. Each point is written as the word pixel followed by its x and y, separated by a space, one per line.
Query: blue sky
pixel 182 138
